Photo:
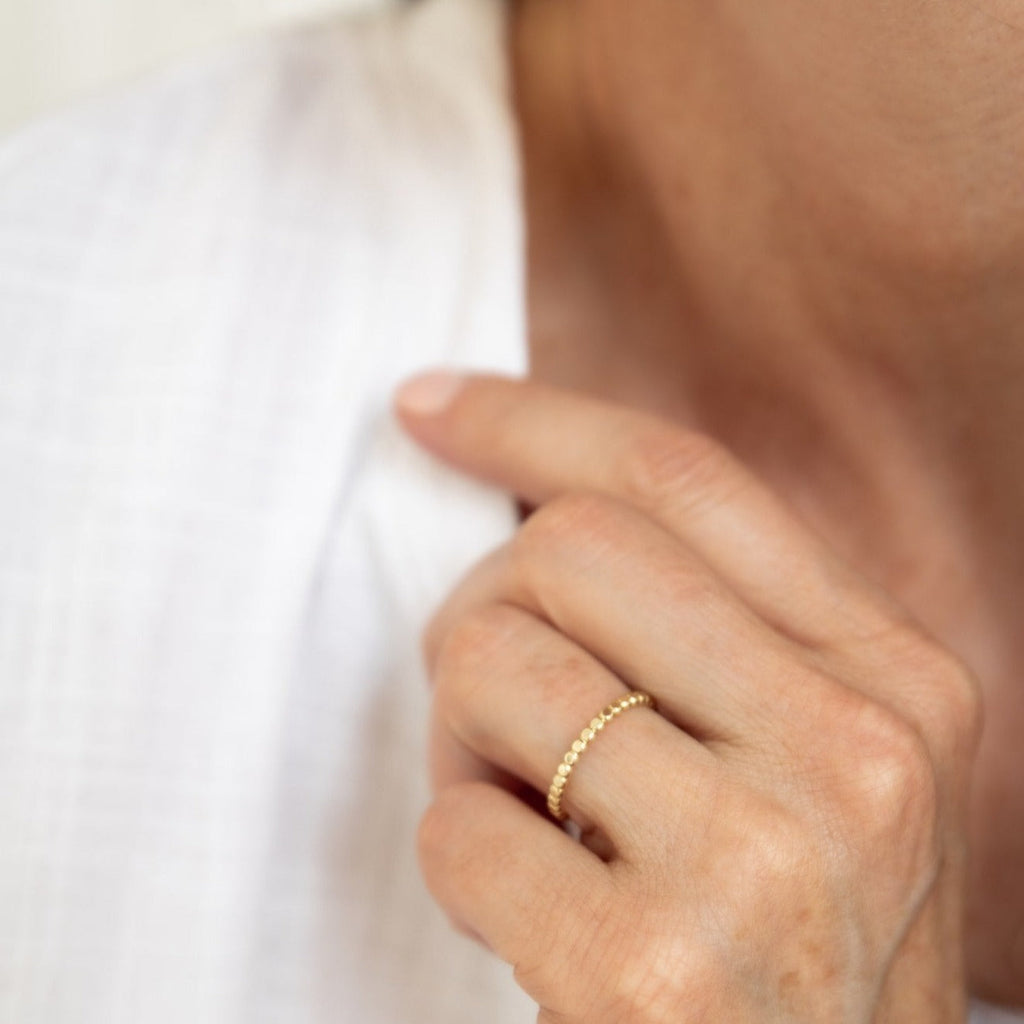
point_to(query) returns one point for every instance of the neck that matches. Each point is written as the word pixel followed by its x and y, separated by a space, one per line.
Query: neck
pixel 803 232
pixel 813 278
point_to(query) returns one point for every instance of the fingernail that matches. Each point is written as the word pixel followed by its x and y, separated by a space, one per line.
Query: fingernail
pixel 429 393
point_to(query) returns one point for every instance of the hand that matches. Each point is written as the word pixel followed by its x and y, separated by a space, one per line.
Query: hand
pixel 783 839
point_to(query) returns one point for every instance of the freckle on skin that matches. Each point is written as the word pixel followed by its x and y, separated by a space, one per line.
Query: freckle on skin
pixel 787 983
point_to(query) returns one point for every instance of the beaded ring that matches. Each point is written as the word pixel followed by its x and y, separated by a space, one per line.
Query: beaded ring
pixel 632 700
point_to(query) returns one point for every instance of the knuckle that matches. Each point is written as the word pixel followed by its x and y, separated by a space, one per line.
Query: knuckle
pixel 432 837
pixel 779 848
pixel 966 720
pixel 468 659
pixel 438 832
pixel 946 697
pixel 576 522
pixel 689 590
pixel 568 518
pixel 888 777
pixel 474 642
pixel 773 851
pixel 954 709
pixel 669 463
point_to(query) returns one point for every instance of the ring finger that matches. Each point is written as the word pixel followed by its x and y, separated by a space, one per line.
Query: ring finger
pixel 512 694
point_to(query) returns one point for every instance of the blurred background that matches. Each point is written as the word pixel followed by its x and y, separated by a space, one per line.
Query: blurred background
pixel 54 50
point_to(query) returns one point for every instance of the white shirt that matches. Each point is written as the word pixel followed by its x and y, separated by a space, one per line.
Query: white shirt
pixel 217 551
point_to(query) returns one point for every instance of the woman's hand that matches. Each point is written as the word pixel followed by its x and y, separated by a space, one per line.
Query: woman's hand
pixel 783 839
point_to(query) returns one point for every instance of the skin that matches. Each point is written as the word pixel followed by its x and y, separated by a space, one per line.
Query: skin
pixel 784 839
pixel 798 232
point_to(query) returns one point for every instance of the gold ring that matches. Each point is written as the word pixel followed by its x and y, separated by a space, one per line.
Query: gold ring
pixel 558 783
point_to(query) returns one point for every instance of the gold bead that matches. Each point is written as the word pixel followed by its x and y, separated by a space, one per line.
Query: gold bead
pixel 561 779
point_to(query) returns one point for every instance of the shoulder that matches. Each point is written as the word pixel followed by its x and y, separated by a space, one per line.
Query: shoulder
pixel 292 128
pixel 244 255
pixel 298 200
pixel 345 72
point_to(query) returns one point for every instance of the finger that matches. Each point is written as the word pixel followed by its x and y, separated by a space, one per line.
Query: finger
pixel 452 761
pixel 716 682
pixel 541 442
pixel 525 887
pixel 454 764
pixel 631 595
pixel 517 694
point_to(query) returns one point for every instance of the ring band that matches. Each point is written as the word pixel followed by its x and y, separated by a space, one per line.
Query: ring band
pixel 632 700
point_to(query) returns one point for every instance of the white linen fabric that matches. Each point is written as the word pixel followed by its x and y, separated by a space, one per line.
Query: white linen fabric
pixel 217 550
pixel 980 1013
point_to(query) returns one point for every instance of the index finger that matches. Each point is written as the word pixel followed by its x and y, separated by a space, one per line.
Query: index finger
pixel 540 442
